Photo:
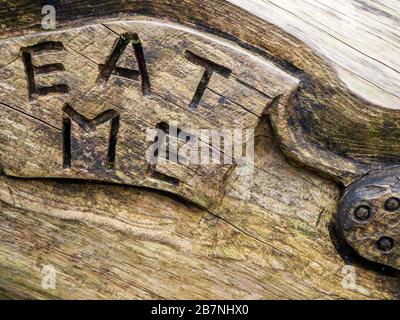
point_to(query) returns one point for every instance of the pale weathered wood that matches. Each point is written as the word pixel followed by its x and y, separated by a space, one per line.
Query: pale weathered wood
pixel 357 38
pixel 310 91
pixel 236 102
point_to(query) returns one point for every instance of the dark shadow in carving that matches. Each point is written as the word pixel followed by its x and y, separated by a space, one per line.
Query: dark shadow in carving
pixel 350 256
pixel 110 66
pixel 30 69
pixel 47 68
pixel 151 170
pixel 210 67
pixel 90 125
pixel 66 134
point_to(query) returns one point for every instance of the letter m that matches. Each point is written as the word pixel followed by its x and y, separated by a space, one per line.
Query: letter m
pixel 89 126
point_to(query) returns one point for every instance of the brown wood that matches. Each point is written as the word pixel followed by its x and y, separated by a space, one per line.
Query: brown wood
pixel 375 231
pixel 234 101
pixel 114 227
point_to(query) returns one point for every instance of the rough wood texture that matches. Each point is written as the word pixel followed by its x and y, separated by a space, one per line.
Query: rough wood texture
pixel 215 234
pixel 368 216
pixel 234 101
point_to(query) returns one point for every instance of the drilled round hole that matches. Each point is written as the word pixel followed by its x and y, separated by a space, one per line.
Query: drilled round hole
pixel 362 213
pixel 392 204
pixel 385 244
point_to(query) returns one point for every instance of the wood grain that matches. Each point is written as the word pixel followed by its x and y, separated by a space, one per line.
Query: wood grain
pixel 235 102
pixel 217 234
pixel 378 193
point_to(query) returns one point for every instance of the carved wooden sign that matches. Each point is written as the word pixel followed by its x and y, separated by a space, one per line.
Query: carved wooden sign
pixel 120 90
pixel 88 96
pixel 91 97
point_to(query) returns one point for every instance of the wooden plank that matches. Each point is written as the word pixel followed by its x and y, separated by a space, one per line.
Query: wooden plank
pixel 122 228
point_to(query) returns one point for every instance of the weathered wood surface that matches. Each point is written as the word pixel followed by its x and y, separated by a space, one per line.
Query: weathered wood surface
pixel 272 241
pixel 356 37
pixel 216 235
pixel 237 101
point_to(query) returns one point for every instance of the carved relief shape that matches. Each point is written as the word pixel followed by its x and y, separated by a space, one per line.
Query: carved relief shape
pixel 89 111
